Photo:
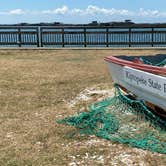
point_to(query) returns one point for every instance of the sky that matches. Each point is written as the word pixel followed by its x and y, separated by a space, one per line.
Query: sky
pixel 82 11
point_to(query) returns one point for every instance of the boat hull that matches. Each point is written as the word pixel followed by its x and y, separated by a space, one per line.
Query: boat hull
pixel 150 87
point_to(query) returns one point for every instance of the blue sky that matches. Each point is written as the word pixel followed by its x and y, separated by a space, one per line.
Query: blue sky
pixel 81 11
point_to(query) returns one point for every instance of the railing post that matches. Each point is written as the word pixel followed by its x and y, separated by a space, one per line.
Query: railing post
pixel 107 42
pixel 129 37
pixel 85 43
pixel 41 36
pixel 63 39
pixel 152 37
pixel 38 34
pixel 19 36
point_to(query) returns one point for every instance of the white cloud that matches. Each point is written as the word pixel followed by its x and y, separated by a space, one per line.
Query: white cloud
pixel 143 12
pixel 89 11
pixel 96 10
pixel 16 12
pixel 61 11
pixel 77 11
pixel 93 10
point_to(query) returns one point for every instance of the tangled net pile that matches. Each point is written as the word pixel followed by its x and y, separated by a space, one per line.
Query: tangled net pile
pixel 124 120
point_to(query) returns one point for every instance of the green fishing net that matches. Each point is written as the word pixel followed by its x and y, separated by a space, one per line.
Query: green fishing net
pixel 124 120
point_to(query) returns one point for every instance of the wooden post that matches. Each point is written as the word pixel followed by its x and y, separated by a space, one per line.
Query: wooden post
pixel 129 37
pixel 63 39
pixel 41 36
pixel 37 33
pixel 85 44
pixel 152 37
pixel 107 42
pixel 19 36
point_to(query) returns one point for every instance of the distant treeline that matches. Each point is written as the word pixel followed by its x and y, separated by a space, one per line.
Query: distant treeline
pixel 93 23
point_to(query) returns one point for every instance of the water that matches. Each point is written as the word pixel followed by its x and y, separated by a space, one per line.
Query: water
pixel 72 37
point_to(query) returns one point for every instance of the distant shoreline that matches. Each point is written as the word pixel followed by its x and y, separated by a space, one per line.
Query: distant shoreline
pixel 127 23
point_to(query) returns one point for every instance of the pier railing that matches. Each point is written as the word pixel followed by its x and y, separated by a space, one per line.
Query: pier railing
pixel 85 36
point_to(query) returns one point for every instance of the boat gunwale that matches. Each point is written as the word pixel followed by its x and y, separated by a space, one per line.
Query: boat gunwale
pixel 143 67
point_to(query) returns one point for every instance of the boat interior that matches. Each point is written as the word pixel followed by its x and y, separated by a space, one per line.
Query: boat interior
pixel 155 60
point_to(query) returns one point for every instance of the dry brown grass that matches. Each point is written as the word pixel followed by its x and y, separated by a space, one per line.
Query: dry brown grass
pixel 34 85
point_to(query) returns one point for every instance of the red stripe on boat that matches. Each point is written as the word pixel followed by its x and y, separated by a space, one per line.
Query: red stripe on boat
pixel 144 67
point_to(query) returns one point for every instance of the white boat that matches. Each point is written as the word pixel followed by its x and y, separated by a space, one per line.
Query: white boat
pixel 146 82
